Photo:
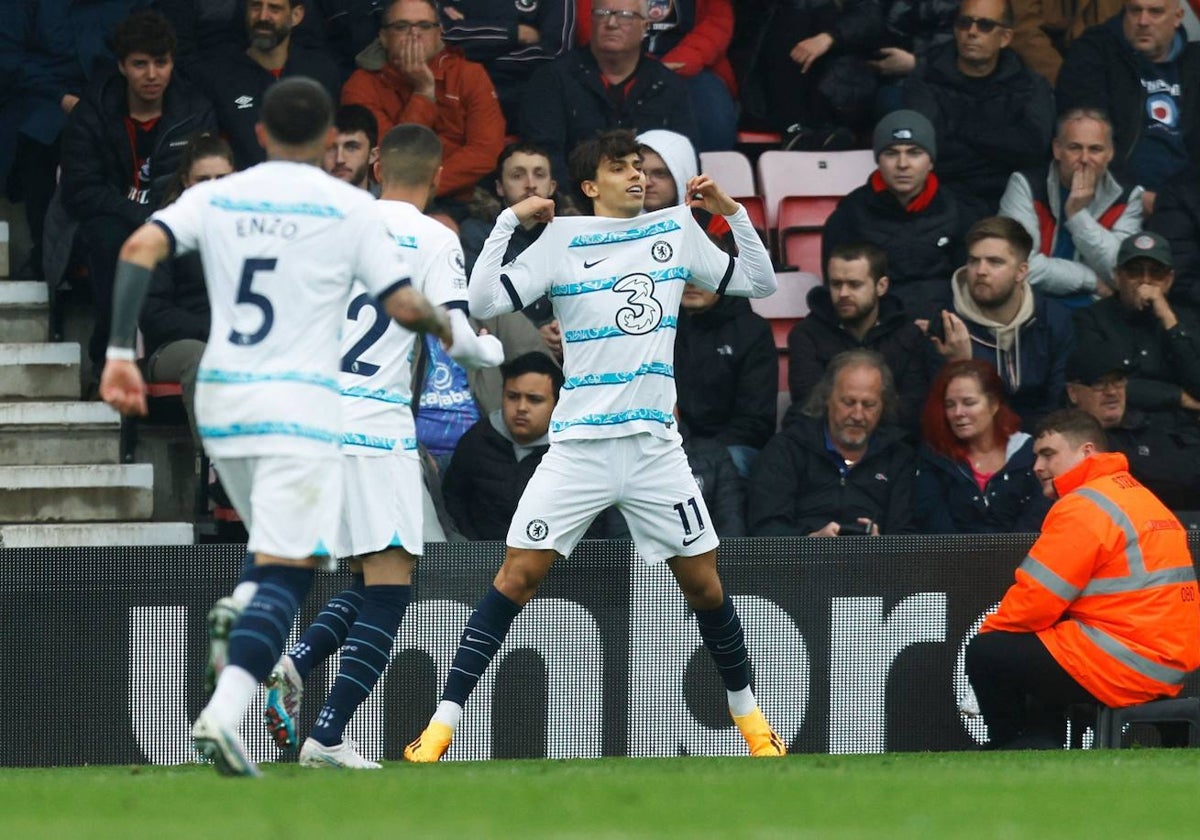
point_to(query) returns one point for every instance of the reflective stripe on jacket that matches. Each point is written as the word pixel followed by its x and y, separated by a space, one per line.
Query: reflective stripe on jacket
pixel 1109 587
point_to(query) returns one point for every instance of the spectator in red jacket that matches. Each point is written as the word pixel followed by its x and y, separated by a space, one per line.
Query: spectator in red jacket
pixel 428 83
pixel 691 37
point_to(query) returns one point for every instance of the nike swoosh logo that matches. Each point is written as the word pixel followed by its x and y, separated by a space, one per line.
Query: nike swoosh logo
pixel 587 264
pixel 691 540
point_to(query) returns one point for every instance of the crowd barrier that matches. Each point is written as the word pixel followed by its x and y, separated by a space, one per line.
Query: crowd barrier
pixel 857 644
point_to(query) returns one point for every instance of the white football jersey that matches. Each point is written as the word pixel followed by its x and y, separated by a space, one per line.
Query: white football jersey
pixel 615 285
pixel 376 371
pixel 281 244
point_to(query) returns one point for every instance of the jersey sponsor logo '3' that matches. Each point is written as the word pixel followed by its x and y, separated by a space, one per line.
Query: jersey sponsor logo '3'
pixel 644 313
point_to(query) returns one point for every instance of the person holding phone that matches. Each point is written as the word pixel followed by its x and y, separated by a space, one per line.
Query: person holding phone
pixel 840 469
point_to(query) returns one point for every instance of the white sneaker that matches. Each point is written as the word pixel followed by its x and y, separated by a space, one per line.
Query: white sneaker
pixel 285 690
pixel 221 618
pixel 222 747
pixel 344 755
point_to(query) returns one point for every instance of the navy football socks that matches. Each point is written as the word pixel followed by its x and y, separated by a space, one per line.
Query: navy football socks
pixel 329 629
pixel 260 634
pixel 721 630
pixel 485 632
pixel 365 655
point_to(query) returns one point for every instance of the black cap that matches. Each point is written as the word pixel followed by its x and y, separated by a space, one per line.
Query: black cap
pixel 1145 244
pixel 1091 364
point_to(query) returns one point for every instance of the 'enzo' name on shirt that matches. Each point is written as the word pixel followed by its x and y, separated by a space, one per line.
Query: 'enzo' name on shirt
pixel 267 226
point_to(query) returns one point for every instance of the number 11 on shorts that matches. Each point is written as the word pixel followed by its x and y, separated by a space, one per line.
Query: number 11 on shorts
pixel 686 517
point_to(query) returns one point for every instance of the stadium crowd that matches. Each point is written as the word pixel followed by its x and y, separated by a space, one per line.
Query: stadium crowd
pixel 1030 239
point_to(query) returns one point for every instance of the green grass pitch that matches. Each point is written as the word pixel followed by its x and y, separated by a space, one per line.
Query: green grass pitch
pixel 1128 794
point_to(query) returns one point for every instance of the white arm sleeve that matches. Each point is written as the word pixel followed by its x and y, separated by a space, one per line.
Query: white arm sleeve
pixel 750 274
pixel 471 350
pixel 496 288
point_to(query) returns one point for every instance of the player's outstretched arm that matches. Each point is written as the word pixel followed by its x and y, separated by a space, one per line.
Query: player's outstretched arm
pixel 121 383
pixel 471 350
pixel 412 310
pixel 753 274
pixel 487 293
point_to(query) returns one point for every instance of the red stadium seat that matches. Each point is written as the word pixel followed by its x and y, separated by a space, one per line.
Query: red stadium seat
pixel 798 233
pixel 788 305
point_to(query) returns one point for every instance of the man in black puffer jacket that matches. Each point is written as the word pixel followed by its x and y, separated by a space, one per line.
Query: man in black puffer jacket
pixel 122 143
pixel 496 457
pixel 904 210
pixel 607 84
pixel 726 373
pixel 993 114
pixel 854 311
pixel 838 467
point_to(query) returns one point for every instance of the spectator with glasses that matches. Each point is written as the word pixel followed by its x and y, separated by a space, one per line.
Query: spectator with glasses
pixel 610 83
pixel 1158 343
pixel 431 84
pixel 1163 449
pixel 993 115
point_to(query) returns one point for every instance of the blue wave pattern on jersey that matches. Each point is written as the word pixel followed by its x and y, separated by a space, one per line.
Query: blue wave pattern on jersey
pixel 667 275
pixel 408 444
pixel 583 240
pixel 303 208
pixel 405 241
pixel 379 395
pixel 621 377
pixel 614 419
pixel 241 377
pixel 368 441
pixel 669 322
pixel 270 428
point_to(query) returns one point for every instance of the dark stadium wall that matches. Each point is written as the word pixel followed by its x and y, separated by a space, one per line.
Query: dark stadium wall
pixel 857 645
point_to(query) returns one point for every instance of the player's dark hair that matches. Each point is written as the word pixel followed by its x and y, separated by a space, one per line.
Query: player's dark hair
pixel 584 163
pixel 1002 227
pixel 1076 425
pixel 817 402
pixel 534 361
pixel 409 155
pixel 296 111
pixel 876 257
pixel 144 32
pixel 351 119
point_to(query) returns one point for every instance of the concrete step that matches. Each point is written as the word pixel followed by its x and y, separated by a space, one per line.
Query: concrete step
pixel 91 493
pixel 24 311
pixel 52 433
pixel 96 534
pixel 32 371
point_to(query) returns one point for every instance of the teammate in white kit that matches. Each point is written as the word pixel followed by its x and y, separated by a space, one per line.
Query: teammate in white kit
pixel 281 244
pixel 615 280
pixel 381 523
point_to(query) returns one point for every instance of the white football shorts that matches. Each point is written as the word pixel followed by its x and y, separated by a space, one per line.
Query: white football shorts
pixel 289 505
pixel 647 478
pixel 381 504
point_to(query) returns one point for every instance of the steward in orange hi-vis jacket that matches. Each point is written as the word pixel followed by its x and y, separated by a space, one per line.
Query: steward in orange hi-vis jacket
pixel 1108 592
